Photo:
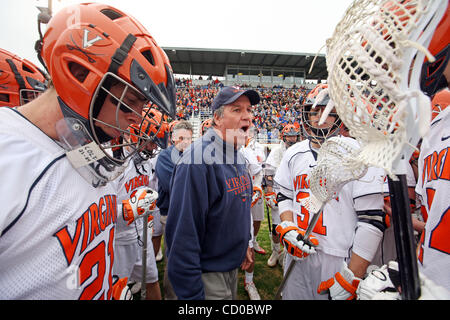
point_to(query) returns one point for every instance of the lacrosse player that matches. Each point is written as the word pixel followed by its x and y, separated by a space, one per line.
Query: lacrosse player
pixel 332 261
pixel 57 231
pixel 289 136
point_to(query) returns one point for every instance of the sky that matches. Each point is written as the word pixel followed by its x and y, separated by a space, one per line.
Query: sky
pixel 261 25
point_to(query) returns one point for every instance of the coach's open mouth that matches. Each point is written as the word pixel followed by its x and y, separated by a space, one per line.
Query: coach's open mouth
pixel 245 128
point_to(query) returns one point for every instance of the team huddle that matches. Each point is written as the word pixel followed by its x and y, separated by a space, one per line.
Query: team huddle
pixel 102 170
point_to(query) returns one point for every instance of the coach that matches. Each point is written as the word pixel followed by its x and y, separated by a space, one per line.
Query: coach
pixel 208 225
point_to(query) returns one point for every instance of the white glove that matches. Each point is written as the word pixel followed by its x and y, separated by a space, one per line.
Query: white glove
pixel 342 286
pixel 378 285
pixel 292 239
pixel 142 201
pixel 271 199
pixel 257 194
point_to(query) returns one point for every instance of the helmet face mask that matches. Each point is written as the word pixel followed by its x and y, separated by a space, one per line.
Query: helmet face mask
pixel 310 119
pixel 27 95
pixel 113 107
pixel 150 134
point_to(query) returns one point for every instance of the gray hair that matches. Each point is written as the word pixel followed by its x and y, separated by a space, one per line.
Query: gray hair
pixel 219 112
pixel 183 124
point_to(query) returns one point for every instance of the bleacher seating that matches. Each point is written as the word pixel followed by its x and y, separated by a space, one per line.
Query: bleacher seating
pixel 278 107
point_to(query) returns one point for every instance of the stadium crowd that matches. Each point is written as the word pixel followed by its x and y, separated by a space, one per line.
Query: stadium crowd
pixel 278 107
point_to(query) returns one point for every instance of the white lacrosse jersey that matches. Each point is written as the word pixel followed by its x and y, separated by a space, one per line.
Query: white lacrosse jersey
pixel 56 229
pixel 272 163
pixel 273 160
pixel 254 163
pixel 258 149
pixel 337 224
pixel 433 186
pixel 135 176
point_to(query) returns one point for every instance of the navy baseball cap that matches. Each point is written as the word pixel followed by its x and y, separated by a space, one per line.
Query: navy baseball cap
pixel 229 95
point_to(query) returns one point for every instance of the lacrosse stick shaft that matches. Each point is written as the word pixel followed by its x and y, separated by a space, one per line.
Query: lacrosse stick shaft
pixel 268 219
pixel 285 278
pixel 144 258
pixel 313 223
pixel 311 226
pixel 404 238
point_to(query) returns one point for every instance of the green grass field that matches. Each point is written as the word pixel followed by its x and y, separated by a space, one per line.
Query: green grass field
pixel 266 279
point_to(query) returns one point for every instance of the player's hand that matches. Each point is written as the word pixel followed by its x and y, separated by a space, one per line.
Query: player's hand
pixel 293 240
pixel 378 285
pixel 141 201
pixel 257 194
pixel 374 288
pixel 120 289
pixel 271 199
pixel 342 286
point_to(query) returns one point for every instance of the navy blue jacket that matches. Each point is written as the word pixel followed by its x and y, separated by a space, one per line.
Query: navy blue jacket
pixel 163 170
pixel 208 224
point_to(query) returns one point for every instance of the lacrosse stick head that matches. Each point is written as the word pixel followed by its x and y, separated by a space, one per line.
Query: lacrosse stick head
pixel 374 61
pixel 337 165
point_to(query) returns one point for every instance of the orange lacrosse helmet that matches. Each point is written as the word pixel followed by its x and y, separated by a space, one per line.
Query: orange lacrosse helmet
pixel 432 77
pixel 320 98
pixel 290 131
pixel 152 129
pixel 206 124
pixel 312 95
pixel 91 48
pixel 20 80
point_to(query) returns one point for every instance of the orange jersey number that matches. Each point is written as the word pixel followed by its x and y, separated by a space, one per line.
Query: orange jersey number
pixel 97 258
pixel 303 221
pixel 440 235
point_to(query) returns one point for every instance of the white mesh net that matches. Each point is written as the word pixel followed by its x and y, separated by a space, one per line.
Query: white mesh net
pixel 374 59
pixel 336 166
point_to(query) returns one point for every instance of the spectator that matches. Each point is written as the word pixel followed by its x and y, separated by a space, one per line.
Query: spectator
pixel 181 138
pixel 208 227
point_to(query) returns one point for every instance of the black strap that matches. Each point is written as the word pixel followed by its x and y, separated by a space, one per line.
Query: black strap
pixel 17 75
pixel 121 53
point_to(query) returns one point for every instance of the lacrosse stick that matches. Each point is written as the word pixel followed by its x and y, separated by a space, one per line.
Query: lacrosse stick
pixel 374 61
pixel 144 258
pixel 336 166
